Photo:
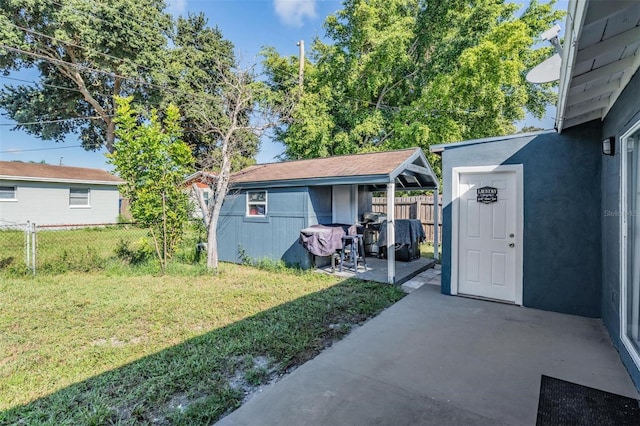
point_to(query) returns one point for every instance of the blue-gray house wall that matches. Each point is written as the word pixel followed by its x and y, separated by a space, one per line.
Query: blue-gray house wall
pixel 562 239
pixel 624 114
pixel 275 236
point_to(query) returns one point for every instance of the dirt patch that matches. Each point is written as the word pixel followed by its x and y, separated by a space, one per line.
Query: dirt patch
pixel 253 376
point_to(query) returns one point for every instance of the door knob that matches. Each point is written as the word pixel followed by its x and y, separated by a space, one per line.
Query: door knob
pixel 512 245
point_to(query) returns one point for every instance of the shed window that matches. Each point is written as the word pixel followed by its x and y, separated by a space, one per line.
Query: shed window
pixel 257 203
pixel 79 197
pixel 7 193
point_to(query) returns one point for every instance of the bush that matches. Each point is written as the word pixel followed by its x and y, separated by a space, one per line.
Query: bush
pixel 134 254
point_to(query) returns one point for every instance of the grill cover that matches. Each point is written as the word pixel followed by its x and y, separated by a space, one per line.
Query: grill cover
pixel 323 240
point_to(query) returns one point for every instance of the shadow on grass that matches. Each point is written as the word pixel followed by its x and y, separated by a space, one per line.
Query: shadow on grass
pixel 202 379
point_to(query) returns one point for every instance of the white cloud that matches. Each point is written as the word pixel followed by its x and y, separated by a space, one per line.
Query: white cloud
pixel 293 12
pixel 176 7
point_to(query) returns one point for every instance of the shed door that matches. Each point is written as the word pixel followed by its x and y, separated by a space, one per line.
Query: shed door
pixel 488 244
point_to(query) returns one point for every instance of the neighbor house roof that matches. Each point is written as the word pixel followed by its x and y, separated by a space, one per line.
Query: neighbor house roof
pixel 201 179
pixel 408 167
pixel 15 170
pixel 600 55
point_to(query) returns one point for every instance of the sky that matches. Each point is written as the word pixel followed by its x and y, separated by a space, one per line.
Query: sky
pixel 249 25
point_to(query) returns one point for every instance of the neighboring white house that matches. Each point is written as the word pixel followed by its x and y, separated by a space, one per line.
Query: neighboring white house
pixel 57 195
pixel 202 181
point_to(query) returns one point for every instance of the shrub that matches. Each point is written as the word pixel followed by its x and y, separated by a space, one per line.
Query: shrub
pixel 139 252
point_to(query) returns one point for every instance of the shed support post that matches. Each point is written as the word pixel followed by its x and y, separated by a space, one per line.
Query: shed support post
pixel 436 223
pixel 391 233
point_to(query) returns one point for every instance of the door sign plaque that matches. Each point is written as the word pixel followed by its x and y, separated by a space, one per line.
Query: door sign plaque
pixel 487 195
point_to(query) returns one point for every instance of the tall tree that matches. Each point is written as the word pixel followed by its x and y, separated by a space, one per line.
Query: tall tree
pixel 247 109
pixel 399 73
pixel 153 160
pixel 198 63
pixel 85 52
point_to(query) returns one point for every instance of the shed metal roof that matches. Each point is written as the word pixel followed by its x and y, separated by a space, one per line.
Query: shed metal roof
pixel 15 170
pixel 601 54
pixel 409 168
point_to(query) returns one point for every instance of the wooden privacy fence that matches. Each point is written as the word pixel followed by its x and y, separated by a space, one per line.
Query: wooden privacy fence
pixel 420 207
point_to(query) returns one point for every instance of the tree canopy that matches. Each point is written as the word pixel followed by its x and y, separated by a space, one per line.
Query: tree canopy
pixel 399 73
pixel 86 52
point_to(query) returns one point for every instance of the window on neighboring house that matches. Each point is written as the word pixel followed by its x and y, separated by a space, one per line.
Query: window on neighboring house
pixel 205 195
pixel 7 193
pixel 257 203
pixel 79 197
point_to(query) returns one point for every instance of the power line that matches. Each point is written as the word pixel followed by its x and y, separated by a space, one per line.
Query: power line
pixel 80 66
pixel 35 123
pixel 18 151
pixel 88 49
pixel 54 86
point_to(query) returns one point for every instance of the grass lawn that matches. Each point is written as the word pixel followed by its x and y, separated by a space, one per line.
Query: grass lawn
pixel 426 250
pixel 103 348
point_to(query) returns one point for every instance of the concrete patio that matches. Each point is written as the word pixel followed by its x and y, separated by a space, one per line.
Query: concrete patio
pixel 441 360
pixel 377 270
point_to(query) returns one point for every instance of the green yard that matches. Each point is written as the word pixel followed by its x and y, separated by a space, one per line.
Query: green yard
pixel 110 347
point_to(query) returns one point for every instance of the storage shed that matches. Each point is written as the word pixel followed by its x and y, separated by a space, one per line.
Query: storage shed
pixel 269 204
pixel 551 220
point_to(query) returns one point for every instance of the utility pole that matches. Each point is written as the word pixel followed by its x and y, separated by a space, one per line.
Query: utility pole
pixel 300 44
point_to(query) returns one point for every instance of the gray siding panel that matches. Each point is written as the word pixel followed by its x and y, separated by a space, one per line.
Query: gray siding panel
pixel 562 237
pixel 624 114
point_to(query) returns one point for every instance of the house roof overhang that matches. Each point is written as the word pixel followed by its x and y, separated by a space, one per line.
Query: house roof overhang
pixel 61 180
pixel 601 54
pixel 413 173
pixel 36 172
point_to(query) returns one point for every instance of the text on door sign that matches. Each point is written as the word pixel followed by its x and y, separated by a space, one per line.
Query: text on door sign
pixel 487 194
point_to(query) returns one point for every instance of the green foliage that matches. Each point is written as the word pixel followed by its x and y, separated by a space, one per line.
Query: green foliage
pixel 153 160
pixel 264 263
pixel 197 66
pixel 404 73
pixel 78 259
pixel 134 254
pixel 82 51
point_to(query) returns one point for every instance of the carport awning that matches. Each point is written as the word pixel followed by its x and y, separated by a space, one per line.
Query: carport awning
pixel 407 168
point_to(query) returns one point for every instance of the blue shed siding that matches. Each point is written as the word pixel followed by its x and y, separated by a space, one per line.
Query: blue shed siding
pixel 562 239
pixel 274 236
pixel 621 117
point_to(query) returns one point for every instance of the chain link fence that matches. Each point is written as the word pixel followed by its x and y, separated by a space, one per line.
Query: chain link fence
pixel 18 245
pixel 32 248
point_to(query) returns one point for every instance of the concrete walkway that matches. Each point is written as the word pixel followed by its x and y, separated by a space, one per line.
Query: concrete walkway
pixel 440 360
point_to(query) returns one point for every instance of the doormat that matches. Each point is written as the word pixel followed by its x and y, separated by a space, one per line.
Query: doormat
pixel 566 403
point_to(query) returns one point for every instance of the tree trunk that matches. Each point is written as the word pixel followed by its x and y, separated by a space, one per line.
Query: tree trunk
pixel 221 188
pixel 110 135
pixel 212 235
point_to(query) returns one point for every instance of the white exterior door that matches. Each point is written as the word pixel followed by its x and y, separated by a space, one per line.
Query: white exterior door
pixel 489 261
